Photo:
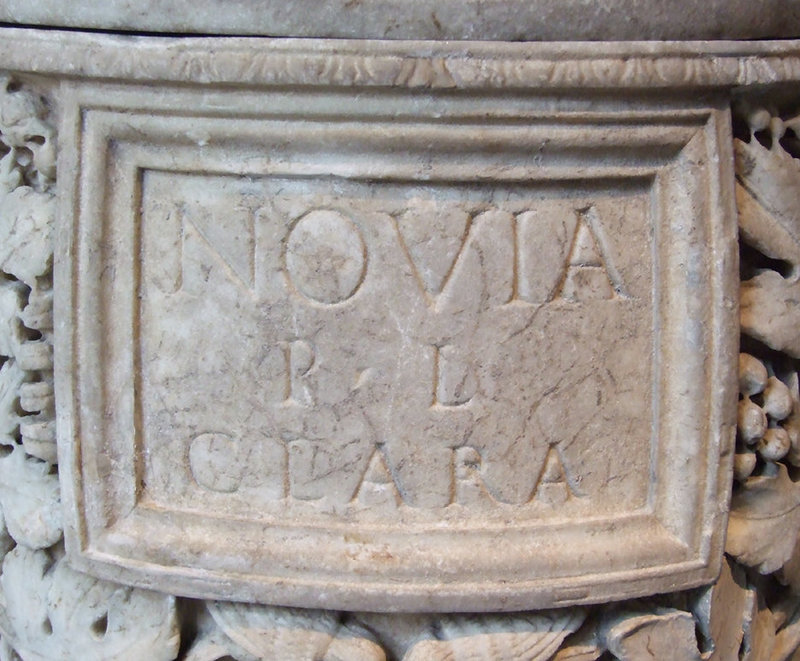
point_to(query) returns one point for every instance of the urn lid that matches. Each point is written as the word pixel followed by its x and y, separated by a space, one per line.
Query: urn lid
pixel 504 20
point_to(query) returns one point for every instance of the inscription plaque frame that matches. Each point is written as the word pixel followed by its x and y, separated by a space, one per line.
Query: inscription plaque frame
pixel 110 133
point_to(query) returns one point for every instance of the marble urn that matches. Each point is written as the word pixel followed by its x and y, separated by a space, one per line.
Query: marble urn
pixel 398 330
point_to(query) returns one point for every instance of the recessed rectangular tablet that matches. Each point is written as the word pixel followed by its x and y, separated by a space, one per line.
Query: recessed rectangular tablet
pixel 423 352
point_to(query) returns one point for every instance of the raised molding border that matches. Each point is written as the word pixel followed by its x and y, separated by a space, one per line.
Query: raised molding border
pixel 414 64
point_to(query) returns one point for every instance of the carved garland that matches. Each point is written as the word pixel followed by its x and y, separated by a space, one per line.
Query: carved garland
pixel 48 611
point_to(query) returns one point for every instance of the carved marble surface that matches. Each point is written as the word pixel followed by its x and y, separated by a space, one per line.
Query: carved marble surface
pixel 358 363
pixel 50 611
pixel 513 20
pixel 566 67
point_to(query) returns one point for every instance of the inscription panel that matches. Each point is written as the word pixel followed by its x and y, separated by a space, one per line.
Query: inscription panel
pixel 426 365
pixel 393 339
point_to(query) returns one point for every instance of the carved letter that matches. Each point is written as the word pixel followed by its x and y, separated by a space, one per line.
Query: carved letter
pixel 221 463
pixel 454 381
pixel 196 236
pixel 588 273
pixel 469 489
pixel 299 357
pixel 433 239
pixel 555 485
pixel 377 487
pixel 326 257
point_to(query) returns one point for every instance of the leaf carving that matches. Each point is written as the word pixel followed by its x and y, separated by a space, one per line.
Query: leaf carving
pixel 532 637
pixel 12 298
pixel 768 198
pixel 26 225
pixel 583 645
pixel 11 378
pixel 787 640
pixel 720 611
pixel 52 613
pixel 758 629
pixel 770 311
pixel 30 497
pixel 664 634
pixel 291 634
pixel 765 520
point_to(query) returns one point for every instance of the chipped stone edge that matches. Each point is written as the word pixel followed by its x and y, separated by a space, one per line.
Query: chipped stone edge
pixel 245 61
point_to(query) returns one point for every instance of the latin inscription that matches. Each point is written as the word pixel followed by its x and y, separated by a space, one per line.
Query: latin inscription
pixel 430 351
pixel 404 348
